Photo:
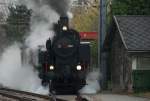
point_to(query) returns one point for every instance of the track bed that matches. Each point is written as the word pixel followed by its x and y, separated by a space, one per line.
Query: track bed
pixel 15 95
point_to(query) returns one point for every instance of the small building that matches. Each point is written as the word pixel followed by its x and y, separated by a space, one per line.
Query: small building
pixel 128 50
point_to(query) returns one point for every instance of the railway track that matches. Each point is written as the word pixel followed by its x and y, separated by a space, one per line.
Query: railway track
pixel 15 95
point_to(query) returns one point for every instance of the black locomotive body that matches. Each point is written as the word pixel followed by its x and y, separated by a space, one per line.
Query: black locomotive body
pixel 66 59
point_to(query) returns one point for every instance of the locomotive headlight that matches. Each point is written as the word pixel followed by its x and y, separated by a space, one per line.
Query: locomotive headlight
pixel 51 67
pixel 65 28
pixel 79 67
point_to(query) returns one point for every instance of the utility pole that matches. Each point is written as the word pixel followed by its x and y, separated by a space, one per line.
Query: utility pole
pixel 102 53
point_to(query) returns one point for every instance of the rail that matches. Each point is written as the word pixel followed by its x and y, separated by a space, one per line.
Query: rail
pixel 25 96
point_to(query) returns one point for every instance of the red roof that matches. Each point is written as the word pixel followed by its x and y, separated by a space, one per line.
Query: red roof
pixel 89 35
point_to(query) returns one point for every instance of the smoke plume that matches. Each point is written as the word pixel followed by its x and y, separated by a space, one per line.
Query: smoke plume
pixel 60 6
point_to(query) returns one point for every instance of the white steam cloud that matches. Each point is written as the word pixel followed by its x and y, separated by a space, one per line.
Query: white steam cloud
pixel 16 76
pixel 24 77
pixel 41 23
pixel 92 81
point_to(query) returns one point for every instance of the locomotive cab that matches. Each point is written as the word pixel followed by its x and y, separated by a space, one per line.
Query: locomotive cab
pixel 66 60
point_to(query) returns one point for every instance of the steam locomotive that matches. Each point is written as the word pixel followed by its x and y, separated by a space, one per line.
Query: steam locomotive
pixel 65 61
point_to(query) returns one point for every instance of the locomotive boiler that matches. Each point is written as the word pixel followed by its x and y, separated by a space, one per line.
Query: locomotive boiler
pixel 65 61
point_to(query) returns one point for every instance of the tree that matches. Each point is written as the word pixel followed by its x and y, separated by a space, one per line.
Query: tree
pixel 86 20
pixel 131 7
pixel 18 23
pixel 126 7
pixel 94 53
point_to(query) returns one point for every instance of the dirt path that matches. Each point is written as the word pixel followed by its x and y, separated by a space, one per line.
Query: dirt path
pixel 106 97
pixel 113 97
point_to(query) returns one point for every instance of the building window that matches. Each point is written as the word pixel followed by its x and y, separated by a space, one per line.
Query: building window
pixel 143 63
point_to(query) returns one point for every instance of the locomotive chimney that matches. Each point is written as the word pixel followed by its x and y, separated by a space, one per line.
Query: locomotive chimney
pixel 62 25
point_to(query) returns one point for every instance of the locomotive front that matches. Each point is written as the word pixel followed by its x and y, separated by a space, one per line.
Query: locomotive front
pixel 66 60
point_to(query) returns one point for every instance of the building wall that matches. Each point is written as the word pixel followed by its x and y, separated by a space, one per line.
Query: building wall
pixel 129 71
pixel 120 65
